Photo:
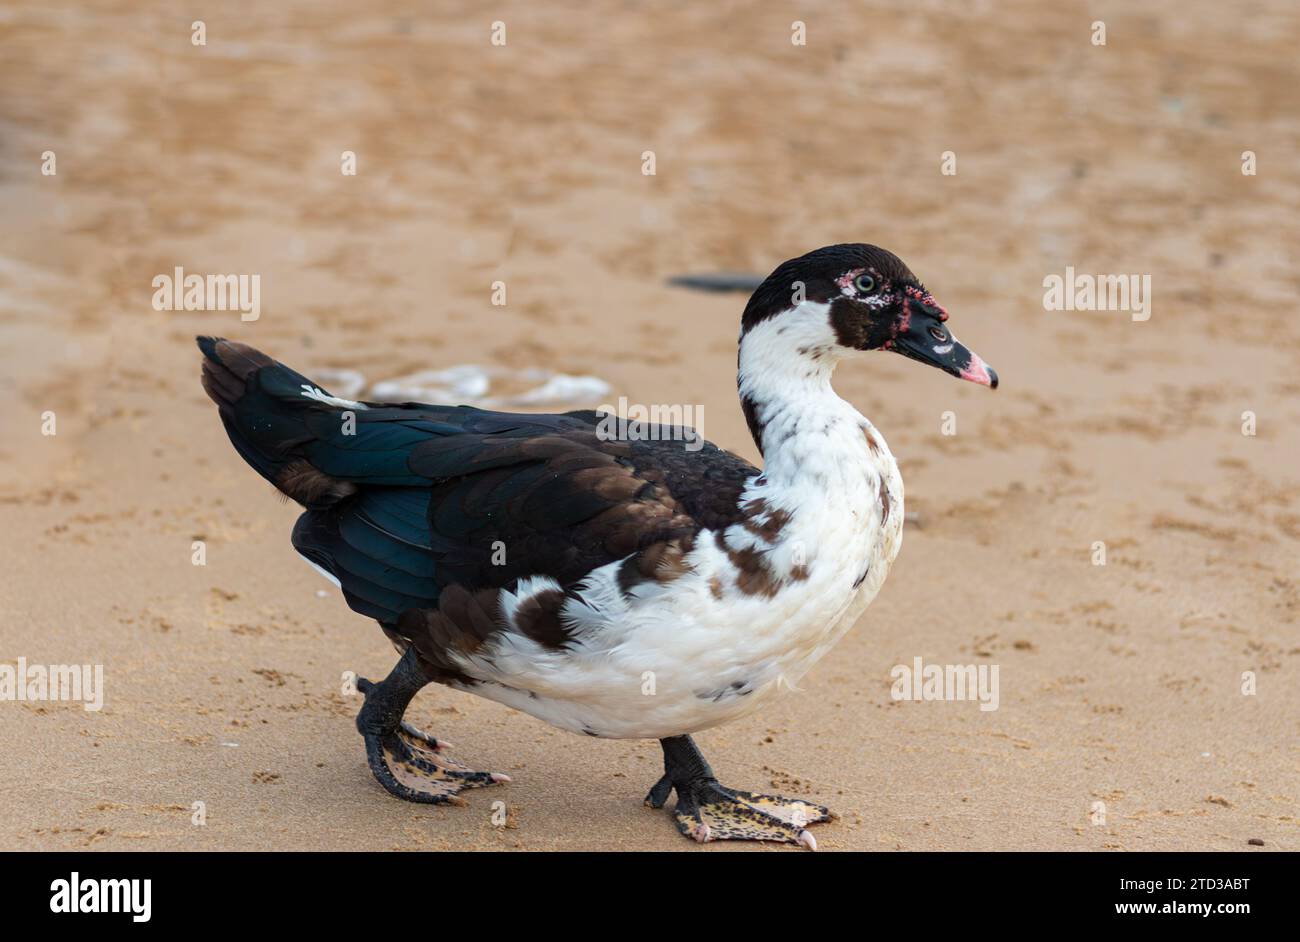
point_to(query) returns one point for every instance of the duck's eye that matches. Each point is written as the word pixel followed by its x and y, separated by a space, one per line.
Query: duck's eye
pixel 938 333
pixel 865 283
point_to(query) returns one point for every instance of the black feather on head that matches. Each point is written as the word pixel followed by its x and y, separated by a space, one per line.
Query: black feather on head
pixel 818 272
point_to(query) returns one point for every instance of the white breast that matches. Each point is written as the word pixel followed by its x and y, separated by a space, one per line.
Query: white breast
pixel 713 644
pixel 700 651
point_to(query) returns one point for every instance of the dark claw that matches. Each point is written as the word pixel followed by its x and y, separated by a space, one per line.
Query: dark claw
pixel 658 794
pixel 405 760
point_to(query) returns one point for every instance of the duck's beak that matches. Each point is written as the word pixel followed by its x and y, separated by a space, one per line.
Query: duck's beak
pixel 923 335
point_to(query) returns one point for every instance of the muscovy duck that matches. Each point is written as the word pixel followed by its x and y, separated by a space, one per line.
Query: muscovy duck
pixel 594 572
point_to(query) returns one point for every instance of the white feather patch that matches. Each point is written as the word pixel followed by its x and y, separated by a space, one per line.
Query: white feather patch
pixel 311 392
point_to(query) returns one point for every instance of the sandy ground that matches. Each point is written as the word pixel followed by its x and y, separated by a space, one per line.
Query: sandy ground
pixel 1119 684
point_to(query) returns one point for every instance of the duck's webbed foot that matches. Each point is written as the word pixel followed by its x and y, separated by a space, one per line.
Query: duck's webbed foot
pixel 709 811
pixel 409 763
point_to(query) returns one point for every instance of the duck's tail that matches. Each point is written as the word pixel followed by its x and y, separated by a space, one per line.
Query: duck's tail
pixel 273 417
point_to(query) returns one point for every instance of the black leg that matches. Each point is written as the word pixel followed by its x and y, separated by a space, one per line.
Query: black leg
pixel 410 763
pixel 683 762
pixel 709 811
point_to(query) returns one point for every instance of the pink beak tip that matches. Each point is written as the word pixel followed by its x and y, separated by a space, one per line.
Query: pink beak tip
pixel 977 371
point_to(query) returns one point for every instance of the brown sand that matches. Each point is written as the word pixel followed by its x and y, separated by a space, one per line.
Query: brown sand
pixel 1119 684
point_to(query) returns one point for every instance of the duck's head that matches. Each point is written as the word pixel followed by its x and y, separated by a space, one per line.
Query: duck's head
pixel 844 298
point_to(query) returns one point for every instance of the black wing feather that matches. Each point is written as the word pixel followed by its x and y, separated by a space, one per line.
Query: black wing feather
pixel 407 502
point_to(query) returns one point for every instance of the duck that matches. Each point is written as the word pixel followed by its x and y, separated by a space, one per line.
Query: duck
pixel 592 571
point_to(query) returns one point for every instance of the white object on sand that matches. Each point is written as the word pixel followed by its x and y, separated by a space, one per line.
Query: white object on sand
pixel 346 384
pixel 471 384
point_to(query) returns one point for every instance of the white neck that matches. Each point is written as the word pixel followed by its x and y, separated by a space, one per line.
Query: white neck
pixel 785 368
